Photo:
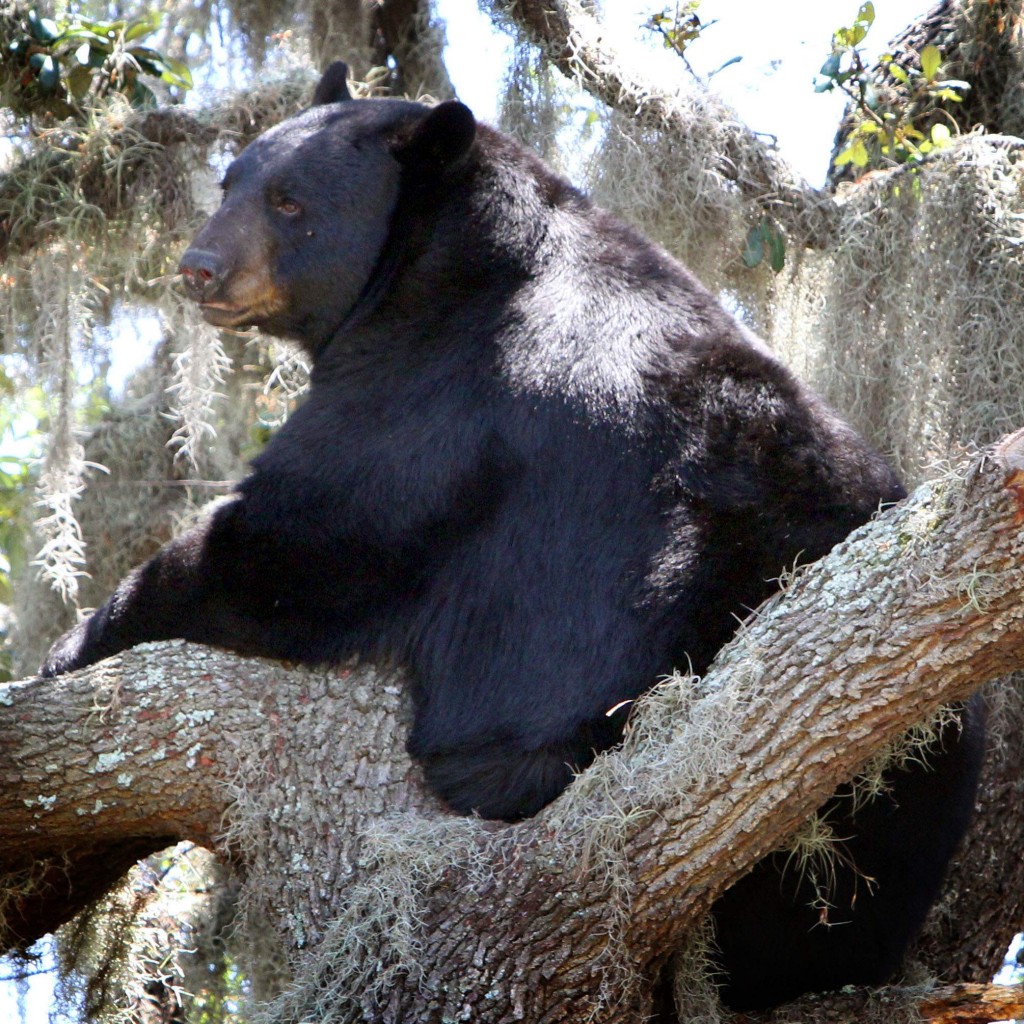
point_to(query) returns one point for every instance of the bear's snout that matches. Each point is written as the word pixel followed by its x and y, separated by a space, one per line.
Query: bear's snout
pixel 203 273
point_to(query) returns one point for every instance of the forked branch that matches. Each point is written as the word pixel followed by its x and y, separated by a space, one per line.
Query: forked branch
pixel 554 918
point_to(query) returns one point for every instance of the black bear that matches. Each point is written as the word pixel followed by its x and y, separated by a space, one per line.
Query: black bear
pixel 539 466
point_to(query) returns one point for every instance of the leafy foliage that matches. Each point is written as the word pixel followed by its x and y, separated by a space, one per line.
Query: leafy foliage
pixel 887 130
pixel 765 239
pixel 678 28
pixel 63 64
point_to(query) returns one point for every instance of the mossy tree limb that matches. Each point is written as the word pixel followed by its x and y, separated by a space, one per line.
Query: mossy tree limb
pixel 396 910
pixel 125 163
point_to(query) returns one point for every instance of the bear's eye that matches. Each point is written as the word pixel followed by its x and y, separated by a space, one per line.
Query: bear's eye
pixel 289 207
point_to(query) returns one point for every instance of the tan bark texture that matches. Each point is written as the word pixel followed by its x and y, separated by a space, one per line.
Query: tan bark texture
pixel 965 1004
pixel 969 929
pixel 395 910
pixel 951 1004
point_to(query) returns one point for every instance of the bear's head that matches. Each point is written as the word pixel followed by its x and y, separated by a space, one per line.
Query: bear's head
pixel 311 208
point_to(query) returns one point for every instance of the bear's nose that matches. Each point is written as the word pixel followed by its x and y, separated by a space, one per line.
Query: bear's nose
pixel 203 273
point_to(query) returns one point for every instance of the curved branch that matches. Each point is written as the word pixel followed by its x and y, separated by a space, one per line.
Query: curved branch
pixel 967 1004
pixel 427 916
pixel 98 174
pixel 101 767
pixel 578 45
pixel 948 1004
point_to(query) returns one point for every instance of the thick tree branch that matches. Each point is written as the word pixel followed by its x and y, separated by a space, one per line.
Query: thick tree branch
pixel 578 45
pixel 117 163
pixel 569 912
pixel 948 1004
pixel 145 749
pixel 973 1004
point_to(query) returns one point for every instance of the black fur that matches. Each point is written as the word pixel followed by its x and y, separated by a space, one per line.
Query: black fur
pixel 539 466
pixel 333 87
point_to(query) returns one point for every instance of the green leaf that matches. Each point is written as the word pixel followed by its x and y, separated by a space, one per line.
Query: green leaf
pixel 145 53
pixel 930 61
pixel 765 239
pixel 728 64
pixel 898 73
pixel 859 154
pixel 831 66
pixel 753 251
pixel 107 29
pixel 776 249
pixel 76 32
pixel 864 20
pixel 43 29
pixel 178 73
pixel 143 27
pixel 49 75
pixel 79 81
pixel 173 72
pixel 843 157
pixel 148 62
pixel 941 136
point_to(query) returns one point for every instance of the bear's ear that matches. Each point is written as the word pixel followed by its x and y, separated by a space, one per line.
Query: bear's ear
pixel 440 139
pixel 333 87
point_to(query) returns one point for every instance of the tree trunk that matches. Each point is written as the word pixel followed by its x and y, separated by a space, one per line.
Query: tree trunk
pixel 396 910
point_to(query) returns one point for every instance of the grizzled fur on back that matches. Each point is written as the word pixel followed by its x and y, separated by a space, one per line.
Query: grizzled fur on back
pixel 539 466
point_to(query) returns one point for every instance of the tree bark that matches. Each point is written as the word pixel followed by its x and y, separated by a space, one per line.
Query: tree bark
pixel 970 928
pixel 396 910
pixel 951 1004
pixel 965 1004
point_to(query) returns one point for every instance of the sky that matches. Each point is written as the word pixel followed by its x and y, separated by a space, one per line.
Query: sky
pixel 782 45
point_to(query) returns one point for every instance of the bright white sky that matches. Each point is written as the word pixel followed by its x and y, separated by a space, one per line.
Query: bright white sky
pixel 782 45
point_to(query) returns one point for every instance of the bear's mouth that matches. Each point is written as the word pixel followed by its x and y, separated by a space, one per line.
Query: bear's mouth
pixel 245 303
pixel 220 314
